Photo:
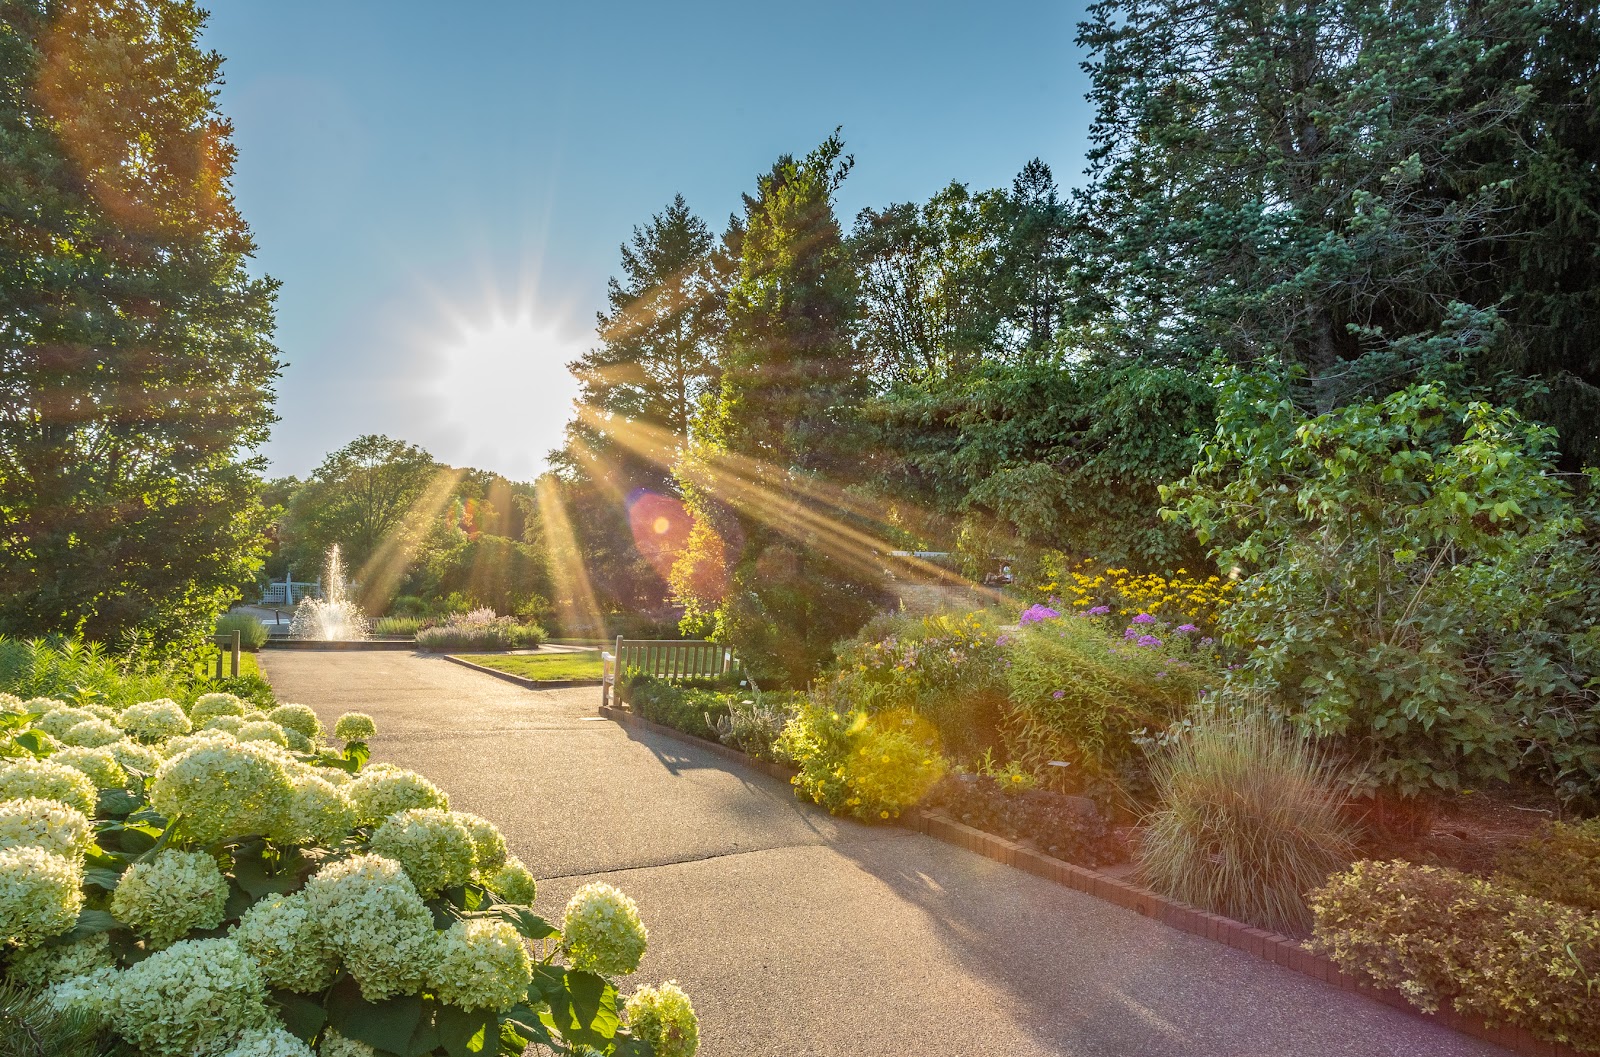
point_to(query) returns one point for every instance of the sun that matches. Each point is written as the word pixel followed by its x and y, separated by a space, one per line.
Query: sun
pixel 504 391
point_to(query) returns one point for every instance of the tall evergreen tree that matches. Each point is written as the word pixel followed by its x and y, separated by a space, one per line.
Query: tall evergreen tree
pixel 136 366
pixel 781 431
pixel 1367 189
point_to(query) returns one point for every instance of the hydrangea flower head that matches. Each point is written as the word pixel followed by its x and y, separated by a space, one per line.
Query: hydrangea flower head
pixel 512 882
pixel 224 724
pixel 435 849
pixel 44 966
pixel 224 789
pixel 1036 614
pixel 355 726
pixel 602 932
pixel 47 824
pixel 319 813
pixel 267 1042
pixel 373 917
pixel 91 733
pixel 482 965
pixel 58 718
pixel 287 943
pixel 381 792
pixel 665 1018
pixel 263 730
pixel 210 706
pixel 154 720
pixel 88 995
pixel 48 780
pixel 191 998
pixel 164 897
pixel 488 843
pixel 100 764
pixel 40 895
pixel 297 717
pixel 336 1045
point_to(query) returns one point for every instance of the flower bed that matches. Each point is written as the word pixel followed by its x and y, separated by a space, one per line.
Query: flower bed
pixel 479 630
pixel 223 882
pixel 1069 828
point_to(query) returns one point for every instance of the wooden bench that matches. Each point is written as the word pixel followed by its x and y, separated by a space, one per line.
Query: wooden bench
pixel 672 660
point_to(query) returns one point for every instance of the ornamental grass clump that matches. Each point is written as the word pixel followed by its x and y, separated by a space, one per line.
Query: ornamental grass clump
pixel 1248 820
pixel 185 892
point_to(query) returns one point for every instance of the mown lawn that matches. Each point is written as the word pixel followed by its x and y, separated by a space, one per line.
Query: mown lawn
pixel 247 665
pixel 548 666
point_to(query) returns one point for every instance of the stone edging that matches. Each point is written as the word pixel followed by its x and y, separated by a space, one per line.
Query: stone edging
pixel 1270 946
pixel 531 684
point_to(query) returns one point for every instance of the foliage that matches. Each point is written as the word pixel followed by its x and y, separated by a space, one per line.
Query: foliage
pixel 947 668
pixel 252 633
pixel 397 627
pixel 136 364
pixel 1561 863
pixel 1178 598
pixel 1375 191
pixel 694 708
pixel 480 629
pixel 1248 820
pixel 1047 454
pixel 360 497
pixel 1403 557
pixel 1445 939
pixel 870 767
pixel 1066 827
pixel 754 723
pixel 1080 696
pixel 30 1026
pixel 75 671
pixel 211 922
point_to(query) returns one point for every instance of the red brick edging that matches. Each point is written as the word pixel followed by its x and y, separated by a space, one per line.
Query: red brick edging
pixel 1270 946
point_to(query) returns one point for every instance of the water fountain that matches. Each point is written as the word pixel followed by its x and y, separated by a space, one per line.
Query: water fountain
pixel 335 616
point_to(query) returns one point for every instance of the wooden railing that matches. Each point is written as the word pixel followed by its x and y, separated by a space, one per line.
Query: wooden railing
pixel 673 660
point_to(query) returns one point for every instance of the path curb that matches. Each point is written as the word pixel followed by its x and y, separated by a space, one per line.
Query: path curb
pixel 531 684
pixel 1269 946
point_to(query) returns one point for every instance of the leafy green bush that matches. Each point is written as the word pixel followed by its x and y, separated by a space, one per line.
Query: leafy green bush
pixel 398 627
pixel 76 671
pixel 1248 821
pixel 947 668
pixel 1421 585
pixel 1561 863
pixel 871 767
pixel 252 633
pixel 1443 938
pixel 479 630
pixel 318 905
pixel 693 709
pixel 1081 696
pixel 754 723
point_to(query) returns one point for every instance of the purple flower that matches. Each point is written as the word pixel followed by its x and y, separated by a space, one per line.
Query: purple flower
pixel 1035 614
pixel 1059 694
pixel 1148 640
pixel 1187 628
pixel 1131 633
pixel 1144 618
pixel 1100 611
pixel 1208 640
pixel 1003 640
pixel 1161 675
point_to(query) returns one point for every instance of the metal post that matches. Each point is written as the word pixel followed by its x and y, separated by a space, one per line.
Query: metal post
pixel 219 659
pixel 236 655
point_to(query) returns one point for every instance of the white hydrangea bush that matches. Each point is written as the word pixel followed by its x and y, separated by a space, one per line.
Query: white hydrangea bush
pixel 214 880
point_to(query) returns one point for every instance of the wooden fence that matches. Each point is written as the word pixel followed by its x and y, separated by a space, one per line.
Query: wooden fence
pixel 673 660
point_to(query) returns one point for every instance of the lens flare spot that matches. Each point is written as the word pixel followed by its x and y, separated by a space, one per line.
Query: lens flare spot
pixel 662 526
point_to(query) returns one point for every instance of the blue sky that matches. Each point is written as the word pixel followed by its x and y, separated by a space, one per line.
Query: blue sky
pixel 442 188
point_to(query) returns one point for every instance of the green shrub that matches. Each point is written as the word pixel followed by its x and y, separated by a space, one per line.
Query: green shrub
pixel 1082 696
pixel 398 627
pixel 947 668
pixel 252 633
pixel 753 724
pixel 479 630
pixel 76 671
pixel 1561 863
pixel 1248 821
pixel 693 709
pixel 871 767
pixel 1445 939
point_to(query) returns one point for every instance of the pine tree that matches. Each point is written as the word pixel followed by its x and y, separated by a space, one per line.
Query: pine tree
pixel 136 364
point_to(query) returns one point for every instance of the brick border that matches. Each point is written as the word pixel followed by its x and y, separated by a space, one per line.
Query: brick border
pixel 1269 946
pixel 531 684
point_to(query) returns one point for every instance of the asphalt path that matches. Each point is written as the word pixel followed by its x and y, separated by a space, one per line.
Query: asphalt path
pixel 799 934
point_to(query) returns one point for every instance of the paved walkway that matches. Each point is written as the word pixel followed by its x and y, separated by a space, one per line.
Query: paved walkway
pixel 798 934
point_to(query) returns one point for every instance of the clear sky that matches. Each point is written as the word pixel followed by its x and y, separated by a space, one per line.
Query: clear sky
pixel 442 187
